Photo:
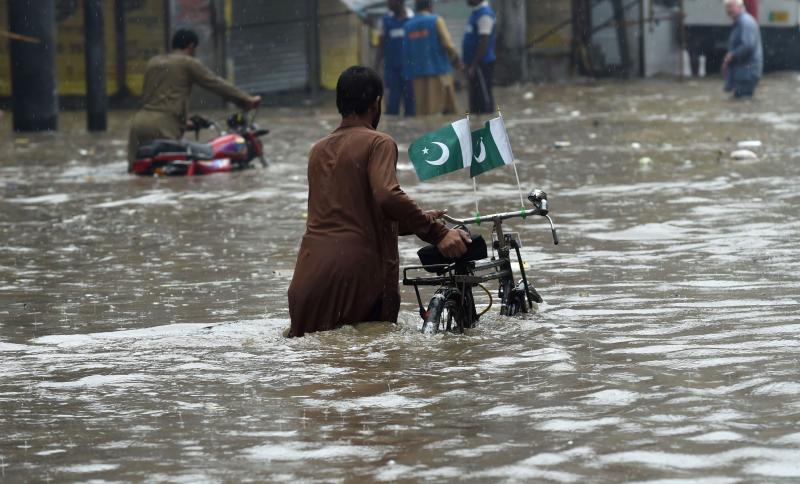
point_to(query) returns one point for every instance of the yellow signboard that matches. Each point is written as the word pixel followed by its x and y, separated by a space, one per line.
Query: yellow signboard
pixel 145 37
pixel 779 16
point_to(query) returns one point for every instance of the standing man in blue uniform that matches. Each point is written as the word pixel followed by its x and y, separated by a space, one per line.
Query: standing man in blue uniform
pixel 392 52
pixel 430 58
pixel 744 61
pixel 479 42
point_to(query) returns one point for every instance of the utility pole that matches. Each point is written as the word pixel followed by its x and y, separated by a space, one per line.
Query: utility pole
pixel 33 65
pixel 121 50
pixel 622 37
pixel 95 50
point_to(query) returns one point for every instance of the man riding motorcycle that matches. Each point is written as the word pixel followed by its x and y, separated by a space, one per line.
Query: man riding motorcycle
pixel 168 83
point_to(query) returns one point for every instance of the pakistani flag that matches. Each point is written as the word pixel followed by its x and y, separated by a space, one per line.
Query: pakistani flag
pixel 491 147
pixel 448 149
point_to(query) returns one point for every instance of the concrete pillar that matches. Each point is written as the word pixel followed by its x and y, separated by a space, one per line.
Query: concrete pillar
pixel 33 65
pixel 95 50
pixel 512 40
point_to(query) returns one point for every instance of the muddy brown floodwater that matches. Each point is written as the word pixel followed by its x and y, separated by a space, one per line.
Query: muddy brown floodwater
pixel 141 318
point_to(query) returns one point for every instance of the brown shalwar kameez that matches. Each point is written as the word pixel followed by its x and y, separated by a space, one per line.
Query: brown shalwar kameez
pixel 348 266
pixel 168 83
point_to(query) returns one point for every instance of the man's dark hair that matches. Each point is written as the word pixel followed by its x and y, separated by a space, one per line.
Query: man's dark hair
pixel 357 89
pixel 423 5
pixel 184 38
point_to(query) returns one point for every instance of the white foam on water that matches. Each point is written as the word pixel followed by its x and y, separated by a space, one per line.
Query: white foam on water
pixel 392 472
pixel 527 471
pixel 659 459
pixel 45 453
pixel 54 199
pixel 778 389
pixel 88 468
pixel 5 347
pixel 503 411
pixel 719 436
pixel 385 401
pixel 263 194
pixel 611 397
pixel 95 381
pixel 300 451
pixel 153 198
pixel 580 426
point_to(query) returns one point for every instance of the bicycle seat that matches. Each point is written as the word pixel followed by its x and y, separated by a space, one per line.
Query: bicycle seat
pixel 430 255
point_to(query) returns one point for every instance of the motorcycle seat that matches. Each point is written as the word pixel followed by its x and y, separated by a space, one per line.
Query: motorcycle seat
pixel 200 151
pixel 430 255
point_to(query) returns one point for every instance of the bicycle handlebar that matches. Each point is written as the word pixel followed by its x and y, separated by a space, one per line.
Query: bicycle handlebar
pixel 498 217
pixel 479 219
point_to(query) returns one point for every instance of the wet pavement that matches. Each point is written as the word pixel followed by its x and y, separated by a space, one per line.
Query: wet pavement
pixel 141 319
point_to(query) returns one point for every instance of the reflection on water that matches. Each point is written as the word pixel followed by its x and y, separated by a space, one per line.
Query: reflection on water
pixel 141 319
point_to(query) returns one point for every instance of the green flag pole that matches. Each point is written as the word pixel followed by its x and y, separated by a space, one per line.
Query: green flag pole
pixel 513 161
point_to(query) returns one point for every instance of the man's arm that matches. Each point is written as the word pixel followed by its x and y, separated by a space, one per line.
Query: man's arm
pixel 447 43
pixel 400 207
pixel 393 200
pixel 485 27
pixel 202 76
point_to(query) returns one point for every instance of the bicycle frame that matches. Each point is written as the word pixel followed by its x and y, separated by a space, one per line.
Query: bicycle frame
pixel 458 278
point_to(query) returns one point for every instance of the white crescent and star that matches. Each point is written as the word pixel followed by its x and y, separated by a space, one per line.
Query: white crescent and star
pixel 442 159
pixel 482 155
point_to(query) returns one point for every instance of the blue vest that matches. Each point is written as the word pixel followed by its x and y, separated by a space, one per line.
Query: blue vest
pixel 394 45
pixel 425 55
pixel 471 37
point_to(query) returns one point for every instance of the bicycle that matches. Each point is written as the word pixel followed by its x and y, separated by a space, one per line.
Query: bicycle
pixel 453 306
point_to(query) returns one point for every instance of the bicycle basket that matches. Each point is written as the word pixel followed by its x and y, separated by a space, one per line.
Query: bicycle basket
pixel 430 255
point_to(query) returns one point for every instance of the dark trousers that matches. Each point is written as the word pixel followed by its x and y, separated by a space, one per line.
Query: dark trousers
pixel 481 99
pixel 399 89
pixel 744 88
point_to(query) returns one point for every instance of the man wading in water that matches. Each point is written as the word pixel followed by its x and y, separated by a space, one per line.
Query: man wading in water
pixel 348 266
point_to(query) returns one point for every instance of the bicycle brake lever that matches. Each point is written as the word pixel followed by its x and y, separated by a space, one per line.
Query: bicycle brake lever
pixel 552 229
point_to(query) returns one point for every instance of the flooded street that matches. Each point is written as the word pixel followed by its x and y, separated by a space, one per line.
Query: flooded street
pixel 141 318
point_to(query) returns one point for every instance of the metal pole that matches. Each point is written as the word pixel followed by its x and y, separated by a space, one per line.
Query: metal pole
pixel 121 49
pixel 682 34
pixel 33 65
pixel 622 37
pixel 95 49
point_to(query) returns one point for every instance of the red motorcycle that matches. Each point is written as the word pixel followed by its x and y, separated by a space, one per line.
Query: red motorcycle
pixel 231 151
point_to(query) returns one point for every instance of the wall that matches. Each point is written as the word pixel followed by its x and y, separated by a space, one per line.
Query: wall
pixel 549 36
pixel 341 35
pixel 146 31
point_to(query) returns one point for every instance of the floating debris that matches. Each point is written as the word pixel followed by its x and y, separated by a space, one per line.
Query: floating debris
pixel 562 144
pixel 645 160
pixel 528 95
pixel 743 155
pixel 749 144
pixel 636 146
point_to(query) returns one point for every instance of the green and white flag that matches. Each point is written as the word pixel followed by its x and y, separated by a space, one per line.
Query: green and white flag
pixel 442 151
pixel 491 147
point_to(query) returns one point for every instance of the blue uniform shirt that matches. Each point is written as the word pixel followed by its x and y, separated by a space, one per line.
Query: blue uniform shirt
pixel 425 55
pixel 394 44
pixel 471 36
